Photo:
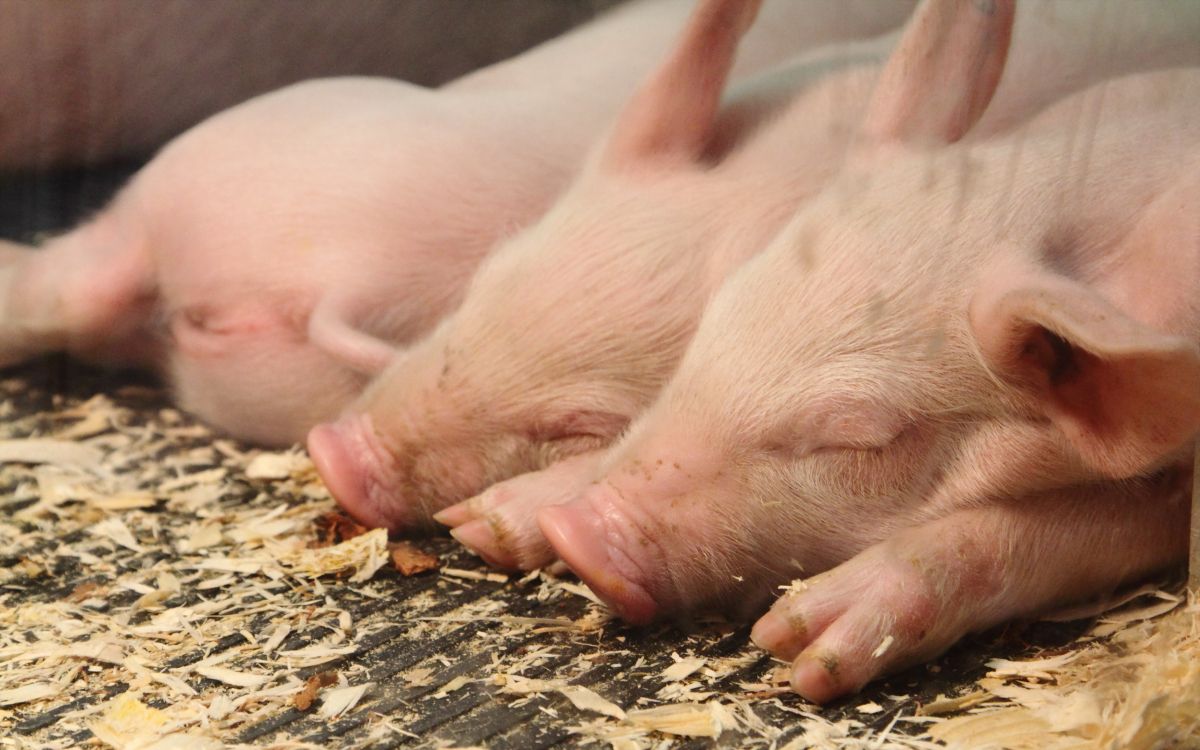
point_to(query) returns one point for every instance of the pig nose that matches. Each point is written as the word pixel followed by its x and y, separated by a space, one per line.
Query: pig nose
pixel 332 449
pixel 596 540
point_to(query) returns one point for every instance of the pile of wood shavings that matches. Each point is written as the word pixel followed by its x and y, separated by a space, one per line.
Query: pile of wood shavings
pixel 1132 682
pixel 180 545
pixel 199 608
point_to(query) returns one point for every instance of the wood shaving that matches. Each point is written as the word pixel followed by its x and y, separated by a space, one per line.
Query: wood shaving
pixel 303 700
pixel 943 705
pixel 28 693
pixel 682 719
pixel 116 530
pixel 278 466
pixel 475 575
pixel 128 724
pixel 409 560
pixel 231 677
pixel 336 702
pixel 364 555
pixel 54 452
pixel 1139 689
pixel 586 699
pixel 682 668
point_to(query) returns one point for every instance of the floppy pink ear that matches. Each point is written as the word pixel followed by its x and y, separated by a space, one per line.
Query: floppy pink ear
pixel 671 115
pixel 1123 394
pixel 942 74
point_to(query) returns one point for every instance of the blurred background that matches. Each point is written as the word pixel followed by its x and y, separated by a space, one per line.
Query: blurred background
pixel 91 88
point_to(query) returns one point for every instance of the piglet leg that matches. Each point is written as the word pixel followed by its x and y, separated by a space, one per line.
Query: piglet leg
pixel 907 599
pixel 85 292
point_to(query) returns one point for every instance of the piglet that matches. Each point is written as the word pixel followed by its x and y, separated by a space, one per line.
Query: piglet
pixel 570 329
pixel 270 260
pixel 960 387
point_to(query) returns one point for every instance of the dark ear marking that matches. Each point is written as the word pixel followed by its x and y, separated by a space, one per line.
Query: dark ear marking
pixel 1048 352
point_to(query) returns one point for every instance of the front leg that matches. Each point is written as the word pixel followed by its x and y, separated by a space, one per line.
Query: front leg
pixel 911 597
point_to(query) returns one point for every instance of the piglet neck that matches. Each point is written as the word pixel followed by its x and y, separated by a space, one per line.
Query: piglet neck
pixel 740 223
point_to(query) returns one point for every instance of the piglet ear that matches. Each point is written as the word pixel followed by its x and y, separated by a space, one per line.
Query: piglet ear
pixel 1123 394
pixel 942 74
pixel 671 115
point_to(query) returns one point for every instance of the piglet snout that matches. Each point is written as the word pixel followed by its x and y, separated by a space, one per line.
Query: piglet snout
pixel 596 539
pixel 343 453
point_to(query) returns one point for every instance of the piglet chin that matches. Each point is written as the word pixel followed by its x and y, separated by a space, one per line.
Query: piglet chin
pixel 342 452
pixel 579 533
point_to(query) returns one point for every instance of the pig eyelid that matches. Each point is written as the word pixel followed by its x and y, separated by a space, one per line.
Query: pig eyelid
pixel 597 426
pixel 870 446
pixel 585 439
pixel 803 448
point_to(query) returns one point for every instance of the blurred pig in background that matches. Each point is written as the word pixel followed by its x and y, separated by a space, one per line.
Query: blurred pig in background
pixel 268 260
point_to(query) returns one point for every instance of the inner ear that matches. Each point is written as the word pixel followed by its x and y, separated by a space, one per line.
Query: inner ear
pixel 1123 393
pixel 1047 352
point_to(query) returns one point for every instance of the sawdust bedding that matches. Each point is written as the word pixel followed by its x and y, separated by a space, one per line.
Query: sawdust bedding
pixel 162 587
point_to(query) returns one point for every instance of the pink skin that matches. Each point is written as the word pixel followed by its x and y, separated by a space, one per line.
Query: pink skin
pixel 571 328
pixel 1043 39
pixel 1008 559
pixel 273 258
pixel 950 374
pixel 457 411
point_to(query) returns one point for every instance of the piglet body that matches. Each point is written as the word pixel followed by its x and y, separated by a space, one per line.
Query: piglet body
pixel 270 259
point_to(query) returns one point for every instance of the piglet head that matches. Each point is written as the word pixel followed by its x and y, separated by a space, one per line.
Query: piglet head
pixel 568 329
pixel 807 419
pixel 882 364
pixel 566 333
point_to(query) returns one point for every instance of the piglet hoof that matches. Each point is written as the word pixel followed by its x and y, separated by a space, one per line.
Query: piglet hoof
pixel 600 543
pixel 458 514
pixel 859 621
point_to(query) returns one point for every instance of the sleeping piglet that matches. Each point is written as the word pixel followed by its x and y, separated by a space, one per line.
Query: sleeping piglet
pixel 569 330
pixel 268 260
pixel 570 327
pixel 961 386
